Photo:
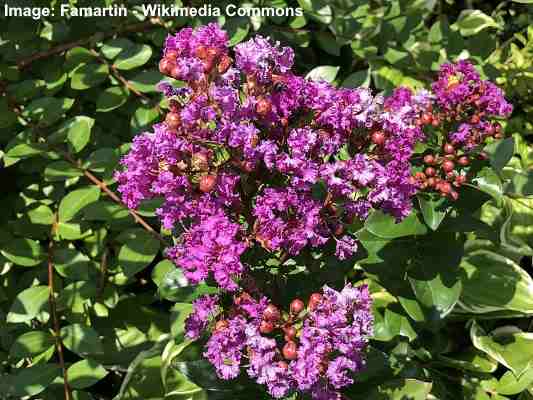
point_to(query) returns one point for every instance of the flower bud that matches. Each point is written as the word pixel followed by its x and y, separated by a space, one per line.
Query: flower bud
pixel 263 106
pixel 378 138
pixel 463 161
pixel 166 66
pixel 429 159
pixel 266 327
pixel 173 120
pixel 271 313
pixel 448 166
pixel 448 148
pixel 430 171
pixel 297 306
pixel 221 325
pixel 314 300
pixel 207 183
pixel 290 351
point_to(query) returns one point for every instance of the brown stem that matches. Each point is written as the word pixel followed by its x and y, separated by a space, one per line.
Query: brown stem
pixel 115 198
pixel 53 312
pixel 137 27
pixel 103 274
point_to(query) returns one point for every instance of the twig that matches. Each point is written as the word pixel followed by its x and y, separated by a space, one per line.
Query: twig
pixel 53 311
pixel 137 27
pixel 103 274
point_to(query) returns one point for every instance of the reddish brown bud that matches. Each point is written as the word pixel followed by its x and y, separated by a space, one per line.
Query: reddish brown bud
pixel 200 161
pixel 263 106
pixel 166 66
pixel 173 120
pixel 483 156
pixel 430 171
pixel 283 365
pixel 290 351
pixel 314 300
pixel 297 306
pixel 378 138
pixel 429 159
pixel 435 122
pixel 431 182
pixel 420 176
pixel 426 119
pixel 221 325
pixel 271 313
pixel 448 166
pixel 201 52
pixel 290 332
pixel 224 64
pixel 463 161
pixel 459 180
pixel 207 183
pixel 474 119
pixel 175 72
pixel 454 195
pixel 266 327
pixel 171 55
pixel 445 187
pixel 448 148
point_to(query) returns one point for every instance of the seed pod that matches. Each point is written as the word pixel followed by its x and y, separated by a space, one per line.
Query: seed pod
pixel 271 313
pixel 297 306
pixel 207 183
pixel 290 351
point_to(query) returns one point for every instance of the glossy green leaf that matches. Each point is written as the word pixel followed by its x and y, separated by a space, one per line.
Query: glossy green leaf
pixel 88 75
pixel 500 153
pixel 492 282
pixel 133 56
pixel 81 339
pixel 75 201
pixel 61 171
pixel 85 373
pixel 28 304
pixel 111 98
pixel 31 344
pixel 386 227
pixel 326 73
pixel 32 380
pixel 471 22
pixel 433 211
pixel 138 252
pixel 25 252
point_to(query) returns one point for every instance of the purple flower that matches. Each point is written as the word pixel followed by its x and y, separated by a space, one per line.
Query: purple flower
pixel 204 308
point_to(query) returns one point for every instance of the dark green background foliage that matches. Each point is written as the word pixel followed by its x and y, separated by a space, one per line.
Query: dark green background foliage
pixel 453 291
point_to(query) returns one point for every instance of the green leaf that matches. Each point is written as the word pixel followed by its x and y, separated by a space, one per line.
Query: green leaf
pixel 511 347
pixel 323 73
pixel 179 313
pixel 357 79
pixel 133 56
pixel 81 339
pixel 25 252
pixel 492 282
pixel 88 75
pixel 385 226
pixel 138 252
pixel 318 10
pixel 202 373
pixel 471 22
pixel 28 304
pixel 47 110
pixel 160 271
pixel 509 384
pixel 146 81
pixel 487 181
pixel 85 373
pixel 237 29
pixel 79 132
pixel 433 211
pixel 111 98
pixel 61 171
pixel 470 360
pixel 40 215
pixel 31 343
pixel 72 264
pixel 500 153
pixel 143 118
pixel 32 380
pixel 398 389
pixel 113 47
pixel 75 201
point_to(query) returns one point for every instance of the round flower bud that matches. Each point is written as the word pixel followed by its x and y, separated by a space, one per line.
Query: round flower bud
pixel 314 300
pixel 207 183
pixel 430 171
pixel 426 118
pixel 445 187
pixel 448 166
pixel 378 138
pixel 429 159
pixel 448 148
pixel 173 120
pixel 297 306
pixel 263 106
pixel 175 72
pixel 171 55
pixel 166 66
pixel 271 313
pixel 463 161
pixel 431 182
pixel 266 327
pixel 454 195
pixel 290 351
pixel 290 332
pixel 221 325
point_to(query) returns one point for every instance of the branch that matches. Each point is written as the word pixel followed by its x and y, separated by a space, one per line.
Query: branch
pixel 113 196
pixel 53 311
pixel 137 27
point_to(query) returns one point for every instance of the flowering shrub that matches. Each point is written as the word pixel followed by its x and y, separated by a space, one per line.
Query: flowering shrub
pixel 252 156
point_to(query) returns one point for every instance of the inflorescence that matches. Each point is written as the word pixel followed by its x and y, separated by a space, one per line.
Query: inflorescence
pixel 251 154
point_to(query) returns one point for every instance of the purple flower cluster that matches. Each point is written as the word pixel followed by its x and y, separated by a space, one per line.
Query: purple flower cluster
pixel 330 350
pixel 251 155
